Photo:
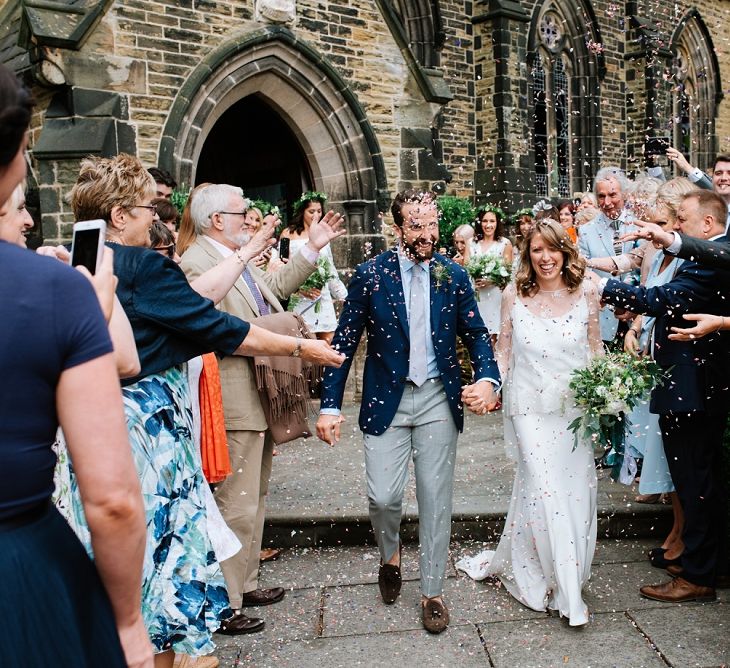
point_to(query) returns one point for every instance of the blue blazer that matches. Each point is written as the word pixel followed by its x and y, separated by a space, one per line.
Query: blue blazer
pixel 375 303
pixel 698 371
pixel 595 239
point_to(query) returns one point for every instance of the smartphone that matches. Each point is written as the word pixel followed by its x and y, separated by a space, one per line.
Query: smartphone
pixel 87 246
pixel 284 248
pixel 657 145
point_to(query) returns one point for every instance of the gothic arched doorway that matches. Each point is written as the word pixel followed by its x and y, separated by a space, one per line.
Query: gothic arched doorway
pixel 340 150
pixel 250 146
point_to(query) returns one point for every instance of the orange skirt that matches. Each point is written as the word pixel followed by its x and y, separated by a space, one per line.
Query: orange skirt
pixel 213 441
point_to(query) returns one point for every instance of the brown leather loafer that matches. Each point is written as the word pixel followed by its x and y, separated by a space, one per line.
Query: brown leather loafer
pixel 678 590
pixel 389 581
pixel 435 616
pixel 262 597
pixel 675 570
pixel 240 624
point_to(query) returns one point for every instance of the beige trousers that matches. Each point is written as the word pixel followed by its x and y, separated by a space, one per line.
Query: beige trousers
pixel 241 498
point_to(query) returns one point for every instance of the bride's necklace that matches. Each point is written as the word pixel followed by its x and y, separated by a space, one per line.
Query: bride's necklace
pixel 553 292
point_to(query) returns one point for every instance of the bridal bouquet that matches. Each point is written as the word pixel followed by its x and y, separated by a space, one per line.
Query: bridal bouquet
pixel 316 281
pixel 491 267
pixel 606 390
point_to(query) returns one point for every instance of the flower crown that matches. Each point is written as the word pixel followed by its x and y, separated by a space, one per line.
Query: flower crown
pixel 542 205
pixel 493 208
pixel 310 196
pixel 526 211
pixel 265 207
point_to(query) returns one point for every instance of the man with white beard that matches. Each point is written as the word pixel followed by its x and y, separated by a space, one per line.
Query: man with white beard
pixel 219 216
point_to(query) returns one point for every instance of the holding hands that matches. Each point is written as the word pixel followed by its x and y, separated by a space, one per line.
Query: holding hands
pixel 479 398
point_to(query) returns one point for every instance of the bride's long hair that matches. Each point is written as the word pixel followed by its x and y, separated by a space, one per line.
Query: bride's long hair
pixel 556 238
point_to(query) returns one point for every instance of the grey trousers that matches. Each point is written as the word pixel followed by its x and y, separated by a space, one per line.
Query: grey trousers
pixel 424 428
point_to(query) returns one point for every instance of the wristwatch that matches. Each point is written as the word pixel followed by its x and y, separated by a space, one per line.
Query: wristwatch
pixel 297 352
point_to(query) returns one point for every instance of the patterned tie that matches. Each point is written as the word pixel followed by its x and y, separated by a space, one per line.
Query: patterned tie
pixel 417 367
pixel 258 297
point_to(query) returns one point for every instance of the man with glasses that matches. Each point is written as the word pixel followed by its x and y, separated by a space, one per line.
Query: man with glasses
pixel 413 304
pixel 219 217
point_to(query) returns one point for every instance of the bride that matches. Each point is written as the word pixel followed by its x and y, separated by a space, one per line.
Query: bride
pixel 549 328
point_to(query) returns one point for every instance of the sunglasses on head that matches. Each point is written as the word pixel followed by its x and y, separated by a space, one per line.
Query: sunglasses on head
pixel 168 250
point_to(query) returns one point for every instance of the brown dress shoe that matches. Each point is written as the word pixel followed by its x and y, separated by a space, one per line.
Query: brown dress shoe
pixel 678 591
pixel 389 581
pixel 240 624
pixel 675 570
pixel 262 597
pixel 435 616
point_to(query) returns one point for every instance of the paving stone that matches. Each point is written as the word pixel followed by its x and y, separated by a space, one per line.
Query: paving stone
pixel 294 618
pixel 459 646
pixel 613 550
pixel 616 586
pixel 609 641
pixel 689 636
pixel 330 566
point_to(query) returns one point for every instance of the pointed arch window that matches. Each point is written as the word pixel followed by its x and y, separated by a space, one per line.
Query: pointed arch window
pixel 695 91
pixel 551 125
pixel 563 90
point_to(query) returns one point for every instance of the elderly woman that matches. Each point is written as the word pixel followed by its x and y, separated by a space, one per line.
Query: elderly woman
pixel 184 597
pixel 63 372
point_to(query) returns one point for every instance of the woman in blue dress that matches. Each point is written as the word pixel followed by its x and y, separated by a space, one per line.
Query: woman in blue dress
pixel 184 599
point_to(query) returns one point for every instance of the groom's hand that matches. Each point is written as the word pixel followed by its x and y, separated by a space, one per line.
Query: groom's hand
pixel 328 428
pixel 479 398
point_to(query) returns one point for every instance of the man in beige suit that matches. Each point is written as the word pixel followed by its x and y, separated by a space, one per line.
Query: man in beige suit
pixel 218 213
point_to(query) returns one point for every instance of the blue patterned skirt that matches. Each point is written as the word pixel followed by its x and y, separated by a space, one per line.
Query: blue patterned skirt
pixel 183 591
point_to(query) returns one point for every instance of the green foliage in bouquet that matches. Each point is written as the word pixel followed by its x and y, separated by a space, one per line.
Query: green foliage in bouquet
pixel 491 267
pixel 316 281
pixel 453 211
pixel 608 388
pixel 179 198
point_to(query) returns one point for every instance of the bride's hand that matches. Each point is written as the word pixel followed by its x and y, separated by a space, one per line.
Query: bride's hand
pixel 479 398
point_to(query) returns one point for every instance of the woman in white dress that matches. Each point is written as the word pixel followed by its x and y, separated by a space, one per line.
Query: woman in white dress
pixel 490 240
pixel 549 329
pixel 316 307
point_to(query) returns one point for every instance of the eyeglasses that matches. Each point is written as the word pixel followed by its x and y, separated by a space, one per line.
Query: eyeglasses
pixel 234 213
pixel 152 208
pixel 166 250
pixel 419 227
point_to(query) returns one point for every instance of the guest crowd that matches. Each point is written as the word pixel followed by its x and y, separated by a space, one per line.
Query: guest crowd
pixel 137 443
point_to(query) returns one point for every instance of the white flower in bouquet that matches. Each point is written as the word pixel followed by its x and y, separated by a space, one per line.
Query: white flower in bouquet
pixel 491 268
pixel 606 389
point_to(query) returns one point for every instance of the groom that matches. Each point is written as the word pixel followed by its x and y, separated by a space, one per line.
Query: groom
pixel 413 304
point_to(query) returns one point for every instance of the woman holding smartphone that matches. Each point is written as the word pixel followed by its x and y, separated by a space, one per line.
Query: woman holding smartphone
pixel 184 592
pixel 63 372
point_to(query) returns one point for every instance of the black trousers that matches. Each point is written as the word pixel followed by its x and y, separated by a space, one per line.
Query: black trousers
pixel 693 445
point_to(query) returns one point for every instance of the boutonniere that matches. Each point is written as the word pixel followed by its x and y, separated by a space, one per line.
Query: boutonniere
pixel 441 274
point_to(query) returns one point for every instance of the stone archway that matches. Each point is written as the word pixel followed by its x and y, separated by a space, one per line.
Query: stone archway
pixel 316 104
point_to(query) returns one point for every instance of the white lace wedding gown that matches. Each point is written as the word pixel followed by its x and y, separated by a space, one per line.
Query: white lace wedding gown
pixel 544 555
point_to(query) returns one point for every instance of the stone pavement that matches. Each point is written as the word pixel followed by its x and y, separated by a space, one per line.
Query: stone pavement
pixel 333 616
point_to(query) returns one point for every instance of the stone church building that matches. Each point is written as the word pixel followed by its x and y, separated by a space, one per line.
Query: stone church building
pixel 497 100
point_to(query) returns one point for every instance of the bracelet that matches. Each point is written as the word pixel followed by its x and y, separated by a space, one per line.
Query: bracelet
pixel 635 331
pixel 239 257
pixel 722 323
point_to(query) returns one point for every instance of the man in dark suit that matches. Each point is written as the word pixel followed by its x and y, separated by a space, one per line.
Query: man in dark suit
pixel 413 303
pixel 693 401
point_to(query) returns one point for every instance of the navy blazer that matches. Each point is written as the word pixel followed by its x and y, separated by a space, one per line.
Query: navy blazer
pixel 376 304
pixel 698 376
pixel 171 322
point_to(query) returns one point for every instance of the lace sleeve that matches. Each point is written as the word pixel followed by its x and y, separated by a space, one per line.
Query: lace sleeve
pixel 503 350
pixel 592 295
